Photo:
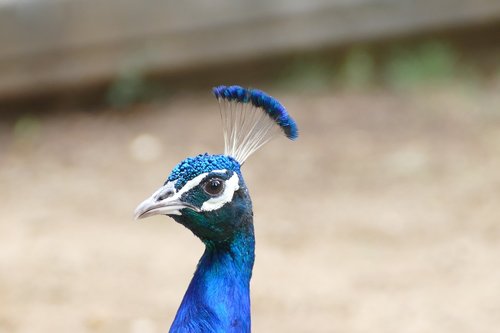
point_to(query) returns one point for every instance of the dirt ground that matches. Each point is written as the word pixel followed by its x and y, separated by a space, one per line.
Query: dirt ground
pixel 383 217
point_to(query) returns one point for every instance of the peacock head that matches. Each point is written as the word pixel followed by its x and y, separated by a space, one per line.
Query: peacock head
pixel 207 193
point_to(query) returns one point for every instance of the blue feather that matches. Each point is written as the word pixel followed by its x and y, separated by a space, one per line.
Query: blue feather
pixel 193 166
pixel 261 100
pixel 218 297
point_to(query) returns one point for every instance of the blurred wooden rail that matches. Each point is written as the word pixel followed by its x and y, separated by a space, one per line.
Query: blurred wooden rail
pixel 50 45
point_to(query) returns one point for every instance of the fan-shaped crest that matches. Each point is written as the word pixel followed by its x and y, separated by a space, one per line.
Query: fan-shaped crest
pixel 250 118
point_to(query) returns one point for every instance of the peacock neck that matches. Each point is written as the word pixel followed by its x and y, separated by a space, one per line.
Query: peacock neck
pixel 218 297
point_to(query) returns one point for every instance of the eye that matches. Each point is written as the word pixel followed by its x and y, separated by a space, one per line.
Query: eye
pixel 214 186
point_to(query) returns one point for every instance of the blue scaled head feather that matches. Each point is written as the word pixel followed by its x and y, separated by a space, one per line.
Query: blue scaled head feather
pixel 250 118
pixel 203 163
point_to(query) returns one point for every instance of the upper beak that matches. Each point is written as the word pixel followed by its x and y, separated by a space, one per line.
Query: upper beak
pixel 162 202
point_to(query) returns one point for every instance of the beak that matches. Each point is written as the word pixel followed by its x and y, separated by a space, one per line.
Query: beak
pixel 162 202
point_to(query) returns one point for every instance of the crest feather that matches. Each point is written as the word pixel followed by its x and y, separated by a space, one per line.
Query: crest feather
pixel 250 118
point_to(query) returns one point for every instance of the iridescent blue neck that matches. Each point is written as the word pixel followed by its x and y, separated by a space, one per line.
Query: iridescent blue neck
pixel 218 297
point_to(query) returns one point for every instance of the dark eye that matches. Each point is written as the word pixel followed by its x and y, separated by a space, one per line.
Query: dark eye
pixel 214 186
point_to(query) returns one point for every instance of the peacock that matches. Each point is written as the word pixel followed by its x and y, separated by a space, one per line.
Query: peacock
pixel 207 194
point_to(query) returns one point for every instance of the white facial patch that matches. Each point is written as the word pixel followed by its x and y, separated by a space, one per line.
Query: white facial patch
pixel 231 186
pixel 167 200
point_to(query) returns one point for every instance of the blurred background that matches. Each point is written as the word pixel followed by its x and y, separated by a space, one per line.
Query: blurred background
pixel 383 217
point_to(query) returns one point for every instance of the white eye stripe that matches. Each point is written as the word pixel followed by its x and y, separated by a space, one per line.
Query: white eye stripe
pixel 190 185
pixel 231 186
pixel 195 182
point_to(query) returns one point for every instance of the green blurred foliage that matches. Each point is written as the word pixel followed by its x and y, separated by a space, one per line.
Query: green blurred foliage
pixel 429 63
pixel 132 85
pixel 307 73
pixel 406 66
pixel 401 66
pixel 27 128
pixel 358 69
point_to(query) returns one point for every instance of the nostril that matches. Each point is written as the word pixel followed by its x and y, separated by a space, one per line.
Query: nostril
pixel 165 195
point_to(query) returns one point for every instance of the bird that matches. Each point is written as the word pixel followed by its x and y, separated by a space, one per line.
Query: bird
pixel 208 195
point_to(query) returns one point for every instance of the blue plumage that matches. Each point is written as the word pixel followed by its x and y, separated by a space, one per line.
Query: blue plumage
pixel 193 166
pixel 218 297
pixel 208 195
